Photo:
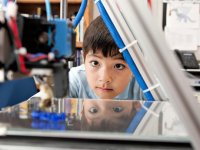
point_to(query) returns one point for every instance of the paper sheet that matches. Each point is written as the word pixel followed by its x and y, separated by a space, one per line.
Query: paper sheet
pixel 184 15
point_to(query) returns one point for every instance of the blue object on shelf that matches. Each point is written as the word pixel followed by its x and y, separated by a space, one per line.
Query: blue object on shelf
pixel 62 38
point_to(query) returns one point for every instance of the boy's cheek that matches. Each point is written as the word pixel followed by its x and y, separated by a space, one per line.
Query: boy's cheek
pixel 91 80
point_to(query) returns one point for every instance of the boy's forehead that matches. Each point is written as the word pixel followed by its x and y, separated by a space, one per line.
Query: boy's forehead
pixel 113 54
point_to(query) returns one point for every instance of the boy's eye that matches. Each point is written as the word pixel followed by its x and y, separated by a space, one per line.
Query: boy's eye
pixel 119 66
pixel 118 109
pixel 94 63
pixel 93 110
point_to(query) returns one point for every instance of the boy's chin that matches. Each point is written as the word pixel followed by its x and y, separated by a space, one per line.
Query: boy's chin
pixel 106 96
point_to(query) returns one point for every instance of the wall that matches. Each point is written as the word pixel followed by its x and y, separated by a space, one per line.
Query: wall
pixel 95 12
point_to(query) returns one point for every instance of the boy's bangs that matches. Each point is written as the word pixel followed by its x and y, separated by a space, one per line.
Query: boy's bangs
pixel 107 49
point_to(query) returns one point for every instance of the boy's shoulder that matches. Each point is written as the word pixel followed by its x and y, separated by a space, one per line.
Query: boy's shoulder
pixel 78 68
pixel 77 72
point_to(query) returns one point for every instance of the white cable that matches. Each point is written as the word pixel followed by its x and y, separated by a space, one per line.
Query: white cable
pixel 151 88
pixel 127 46
pixel 96 1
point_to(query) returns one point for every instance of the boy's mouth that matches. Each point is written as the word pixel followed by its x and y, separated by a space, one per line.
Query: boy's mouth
pixel 104 89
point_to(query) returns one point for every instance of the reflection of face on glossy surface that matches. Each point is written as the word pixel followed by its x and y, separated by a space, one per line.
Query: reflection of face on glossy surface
pixel 108 112
pixel 107 76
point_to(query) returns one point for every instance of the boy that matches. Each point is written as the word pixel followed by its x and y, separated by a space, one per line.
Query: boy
pixel 104 74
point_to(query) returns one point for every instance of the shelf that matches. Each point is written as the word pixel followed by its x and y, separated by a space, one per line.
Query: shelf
pixel 31 7
pixel 52 1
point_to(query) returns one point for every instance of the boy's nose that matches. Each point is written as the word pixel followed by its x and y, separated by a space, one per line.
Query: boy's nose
pixel 105 75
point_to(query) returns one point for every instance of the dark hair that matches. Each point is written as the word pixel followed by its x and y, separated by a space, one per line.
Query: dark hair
pixel 98 38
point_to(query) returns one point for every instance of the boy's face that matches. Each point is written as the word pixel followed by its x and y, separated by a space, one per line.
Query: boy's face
pixel 107 76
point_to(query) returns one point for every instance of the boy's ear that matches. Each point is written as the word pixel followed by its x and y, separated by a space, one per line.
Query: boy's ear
pixel 83 55
pixel 131 77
